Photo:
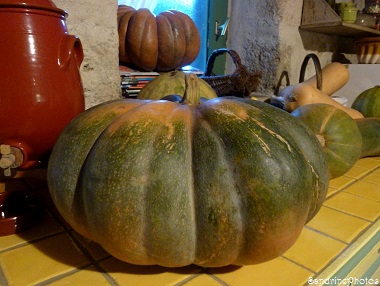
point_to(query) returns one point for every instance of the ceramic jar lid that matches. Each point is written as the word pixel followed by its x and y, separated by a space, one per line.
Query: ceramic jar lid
pixel 32 4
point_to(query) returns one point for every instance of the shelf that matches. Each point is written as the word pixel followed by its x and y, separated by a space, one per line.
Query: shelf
pixel 318 16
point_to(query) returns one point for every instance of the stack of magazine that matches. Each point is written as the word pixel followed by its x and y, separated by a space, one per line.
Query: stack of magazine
pixel 132 81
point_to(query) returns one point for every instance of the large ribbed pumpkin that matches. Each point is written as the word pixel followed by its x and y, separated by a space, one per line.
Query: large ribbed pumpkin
pixel 166 42
pixel 156 182
pixel 368 102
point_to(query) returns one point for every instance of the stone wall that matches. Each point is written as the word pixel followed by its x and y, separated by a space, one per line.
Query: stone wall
pixel 94 22
pixel 265 34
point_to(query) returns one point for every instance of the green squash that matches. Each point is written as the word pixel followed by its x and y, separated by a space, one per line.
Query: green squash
pixel 369 128
pixel 176 83
pixel 368 102
pixel 337 132
pixel 158 182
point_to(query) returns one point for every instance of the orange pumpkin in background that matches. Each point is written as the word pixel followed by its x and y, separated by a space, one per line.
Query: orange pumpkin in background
pixel 166 42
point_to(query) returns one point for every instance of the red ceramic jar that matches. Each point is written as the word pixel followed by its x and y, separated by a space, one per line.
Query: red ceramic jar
pixel 40 84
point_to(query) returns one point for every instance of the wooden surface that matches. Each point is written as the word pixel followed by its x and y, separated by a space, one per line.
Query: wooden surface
pixel 318 16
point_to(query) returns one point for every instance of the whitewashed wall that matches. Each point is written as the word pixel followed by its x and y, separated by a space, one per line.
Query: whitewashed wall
pixel 94 22
pixel 265 33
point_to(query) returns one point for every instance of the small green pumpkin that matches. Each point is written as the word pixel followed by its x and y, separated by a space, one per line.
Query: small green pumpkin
pixel 157 182
pixel 176 83
pixel 368 102
pixel 369 128
pixel 337 132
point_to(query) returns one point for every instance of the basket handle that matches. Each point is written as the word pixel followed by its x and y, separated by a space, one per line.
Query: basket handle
pixel 318 69
pixel 210 63
pixel 284 75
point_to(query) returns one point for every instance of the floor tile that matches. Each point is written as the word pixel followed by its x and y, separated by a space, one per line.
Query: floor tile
pixel 374 177
pixel 365 189
pixel 95 250
pixel 90 276
pixel 357 172
pixel 341 182
pixel 337 224
pixel 368 162
pixel 128 274
pixel 47 226
pixel 360 259
pixel 354 205
pixel 279 272
pixel 314 250
pixel 41 260
pixel 331 191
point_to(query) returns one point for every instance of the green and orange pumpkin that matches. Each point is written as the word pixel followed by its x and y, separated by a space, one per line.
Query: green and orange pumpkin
pixel 337 132
pixel 176 83
pixel 369 128
pixel 368 102
pixel 227 181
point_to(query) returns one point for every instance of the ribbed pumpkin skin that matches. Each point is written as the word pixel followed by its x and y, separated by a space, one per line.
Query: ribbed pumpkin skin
pixel 369 128
pixel 124 14
pixel 156 182
pixel 166 42
pixel 141 41
pixel 311 148
pixel 341 139
pixel 368 102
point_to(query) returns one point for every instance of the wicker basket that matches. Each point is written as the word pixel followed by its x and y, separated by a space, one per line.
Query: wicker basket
pixel 240 83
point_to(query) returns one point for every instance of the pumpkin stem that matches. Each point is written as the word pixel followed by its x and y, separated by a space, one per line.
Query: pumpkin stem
pixel 184 98
pixel 321 139
pixel 192 92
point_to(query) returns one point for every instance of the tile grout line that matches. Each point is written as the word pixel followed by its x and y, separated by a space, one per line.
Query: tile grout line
pixel 339 190
pixel 349 214
pixel 325 234
pixel 299 264
pixel 347 247
pixel 29 242
pixel 3 279
pixel 352 250
pixel 188 279
pixel 355 180
pixel 62 275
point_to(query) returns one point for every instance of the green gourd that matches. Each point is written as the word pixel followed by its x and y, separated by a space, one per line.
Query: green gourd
pixel 337 132
pixel 368 102
pixel 369 128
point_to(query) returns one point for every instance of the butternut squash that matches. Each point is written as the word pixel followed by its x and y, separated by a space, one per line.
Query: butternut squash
pixel 302 94
pixel 334 77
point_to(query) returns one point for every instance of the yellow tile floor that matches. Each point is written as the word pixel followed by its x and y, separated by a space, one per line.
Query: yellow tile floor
pixel 341 242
